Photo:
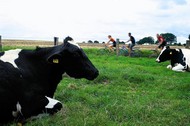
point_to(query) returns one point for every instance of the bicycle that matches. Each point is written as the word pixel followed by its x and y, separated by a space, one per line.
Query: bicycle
pixel 154 54
pixel 123 51
pixel 136 52
pixel 106 50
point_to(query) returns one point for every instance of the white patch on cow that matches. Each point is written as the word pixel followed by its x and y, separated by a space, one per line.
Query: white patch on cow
pixel 157 60
pixel 178 68
pixel 177 50
pixel 169 67
pixel 74 43
pixel 18 110
pixel 51 103
pixel 65 75
pixel 186 53
pixel 10 56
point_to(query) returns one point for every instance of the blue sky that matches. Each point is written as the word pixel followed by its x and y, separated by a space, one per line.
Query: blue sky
pixel 93 19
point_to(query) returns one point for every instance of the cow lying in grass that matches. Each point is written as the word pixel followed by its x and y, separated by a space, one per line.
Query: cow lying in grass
pixel 179 58
pixel 29 78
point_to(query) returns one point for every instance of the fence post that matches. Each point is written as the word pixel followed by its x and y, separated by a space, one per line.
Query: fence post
pixel 0 44
pixel 187 43
pixel 117 47
pixel 56 40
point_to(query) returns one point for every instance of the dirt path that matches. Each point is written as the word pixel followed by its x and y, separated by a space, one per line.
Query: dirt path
pixel 34 43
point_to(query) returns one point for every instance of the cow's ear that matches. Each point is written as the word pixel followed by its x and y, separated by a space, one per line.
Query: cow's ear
pixel 67 39
pixel 55 59
pixel 167 47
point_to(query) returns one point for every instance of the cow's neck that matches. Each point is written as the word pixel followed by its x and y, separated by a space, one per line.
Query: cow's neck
pixel 37 70
pixel 177 57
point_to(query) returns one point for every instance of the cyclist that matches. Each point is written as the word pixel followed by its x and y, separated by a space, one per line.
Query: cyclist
pixel 161 41
pixel 132 44
pixel 112 44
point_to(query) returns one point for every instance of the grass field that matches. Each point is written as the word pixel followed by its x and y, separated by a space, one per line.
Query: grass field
pixel 128 92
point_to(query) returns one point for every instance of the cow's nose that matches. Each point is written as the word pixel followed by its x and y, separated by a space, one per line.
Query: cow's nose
pixel 157 60
pixel 95 75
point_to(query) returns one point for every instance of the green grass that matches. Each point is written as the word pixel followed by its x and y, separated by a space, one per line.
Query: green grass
pixel 128 92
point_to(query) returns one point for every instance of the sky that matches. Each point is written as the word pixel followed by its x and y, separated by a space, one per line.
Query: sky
pixel 93 19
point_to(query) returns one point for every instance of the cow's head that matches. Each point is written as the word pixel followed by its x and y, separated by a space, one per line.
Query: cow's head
pixel 165 54
pixel 74 61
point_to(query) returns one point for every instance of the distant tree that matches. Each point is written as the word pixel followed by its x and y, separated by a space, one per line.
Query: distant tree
pixel 169 37
pixel 175 44
pixel 179 44
pixel 96 41
pixel 90 41
pixel 149 40
pixel 189 37
pixel 122 42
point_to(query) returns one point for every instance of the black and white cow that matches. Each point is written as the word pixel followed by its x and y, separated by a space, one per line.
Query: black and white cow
pixel 180 58
pixel 29 78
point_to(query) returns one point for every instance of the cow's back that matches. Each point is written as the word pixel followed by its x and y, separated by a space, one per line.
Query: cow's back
pixel 9 90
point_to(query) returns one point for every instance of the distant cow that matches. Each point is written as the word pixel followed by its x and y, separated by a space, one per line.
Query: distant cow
pixel 29 78
pixel 179 58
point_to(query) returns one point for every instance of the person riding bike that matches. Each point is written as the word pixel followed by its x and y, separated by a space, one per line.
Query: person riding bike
pixel 132 44
pixel 112 44
pixel 161 41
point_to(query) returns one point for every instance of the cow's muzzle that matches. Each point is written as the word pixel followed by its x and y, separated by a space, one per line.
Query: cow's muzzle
pixel 94 76
pixel 157 60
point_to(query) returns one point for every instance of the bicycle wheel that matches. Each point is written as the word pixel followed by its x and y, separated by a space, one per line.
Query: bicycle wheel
pixel 136 53
pixel 123 52
pixel 154 54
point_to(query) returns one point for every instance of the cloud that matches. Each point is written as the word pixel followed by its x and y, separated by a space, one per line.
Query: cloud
pixel 169 3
